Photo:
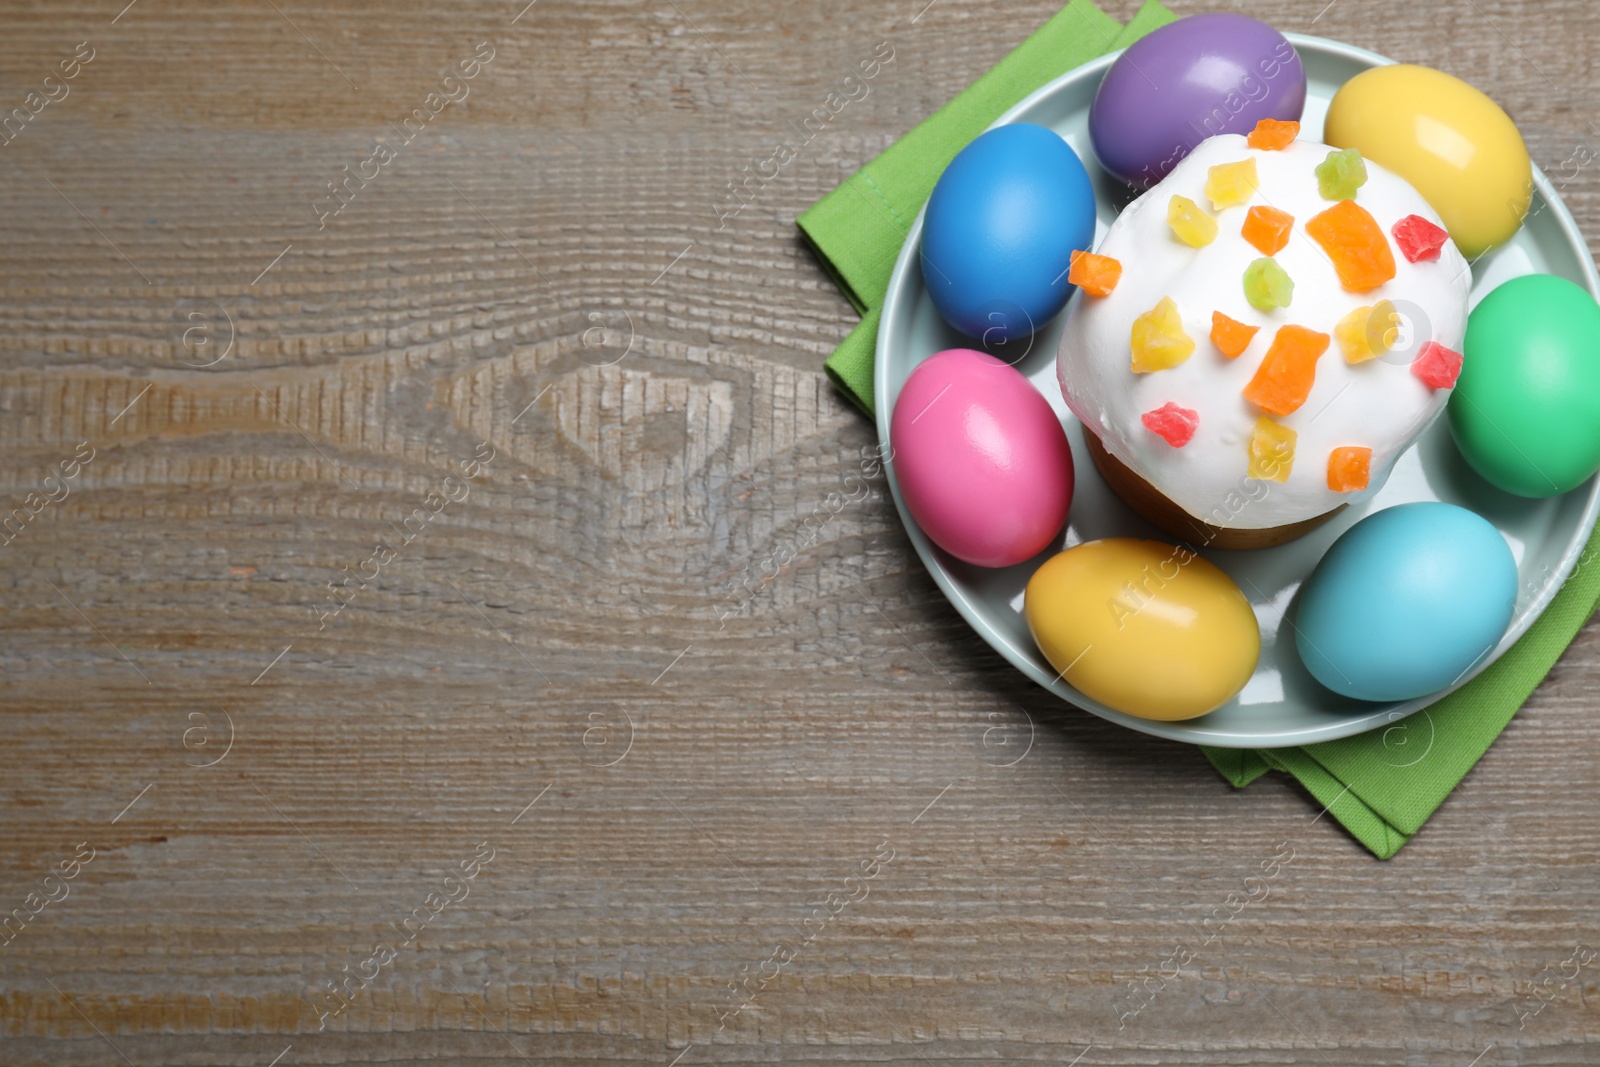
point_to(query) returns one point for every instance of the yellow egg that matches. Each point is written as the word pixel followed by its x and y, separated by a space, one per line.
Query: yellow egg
pixel 1453 143
pixel 1147 628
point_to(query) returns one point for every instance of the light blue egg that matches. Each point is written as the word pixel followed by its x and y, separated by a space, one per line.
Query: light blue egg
pixel 1000 229
pixel 1406 602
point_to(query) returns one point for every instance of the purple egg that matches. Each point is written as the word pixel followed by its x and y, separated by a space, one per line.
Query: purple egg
pixel 1189 80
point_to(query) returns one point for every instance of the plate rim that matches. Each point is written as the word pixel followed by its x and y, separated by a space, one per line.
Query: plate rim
pixel 1185 730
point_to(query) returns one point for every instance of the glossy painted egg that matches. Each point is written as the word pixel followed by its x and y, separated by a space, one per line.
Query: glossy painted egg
pixel 1450 141
pixel 999 233
pixel 981 459
pixel 1189 80
pixel 1146 628
pixel 1526 409
pixel 1406 602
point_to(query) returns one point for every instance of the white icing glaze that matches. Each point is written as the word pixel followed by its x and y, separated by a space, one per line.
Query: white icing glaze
pixel 1378 404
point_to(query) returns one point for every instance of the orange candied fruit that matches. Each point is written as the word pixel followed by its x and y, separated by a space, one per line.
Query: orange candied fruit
pixel 1272 134
pixel 1349 469
pixel 1283 381
pixel 1267 228
pixel 1356 244
pixel 1095 275
pixel 1231 336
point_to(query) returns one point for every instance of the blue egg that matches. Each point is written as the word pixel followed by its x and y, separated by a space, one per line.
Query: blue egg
pixel 1000 230
pixel 1406 602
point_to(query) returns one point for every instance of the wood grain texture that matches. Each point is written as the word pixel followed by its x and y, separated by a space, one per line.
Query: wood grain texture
pixel 591 624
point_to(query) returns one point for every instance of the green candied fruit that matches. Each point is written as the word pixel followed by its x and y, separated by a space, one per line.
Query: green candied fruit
pixel 1266 285
pixel 1341 174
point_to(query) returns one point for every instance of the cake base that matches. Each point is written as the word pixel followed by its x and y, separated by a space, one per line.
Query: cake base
pixel 1151 505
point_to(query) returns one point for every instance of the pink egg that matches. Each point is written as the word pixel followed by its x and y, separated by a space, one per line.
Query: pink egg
pixel 982 460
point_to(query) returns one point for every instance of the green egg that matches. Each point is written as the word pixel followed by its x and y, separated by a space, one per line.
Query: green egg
pixel 1526 409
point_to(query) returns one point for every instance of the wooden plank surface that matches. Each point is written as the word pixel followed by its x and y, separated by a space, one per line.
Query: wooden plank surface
pixel 277 677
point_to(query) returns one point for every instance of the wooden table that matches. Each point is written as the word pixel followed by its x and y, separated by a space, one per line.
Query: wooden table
pixel 391 629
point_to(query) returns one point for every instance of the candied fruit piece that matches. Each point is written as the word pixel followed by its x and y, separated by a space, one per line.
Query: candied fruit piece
pixel 1341 174
pixel 1368 332
pixel 1231 336
pixel 1349 469
pixel 1418 238
pixel 1158 338
pixel 1272 134
pixel 1283 381
pixel 1231 184
pixel 1172 423
pixel 1437 366
pixel 1190 223
pixel 1266 285
pixel 1271 451
pixel 1267 228
pixel 1095 275
pixel 1359 250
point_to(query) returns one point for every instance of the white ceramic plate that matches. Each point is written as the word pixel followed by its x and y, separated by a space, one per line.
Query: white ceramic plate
pixel 1282 705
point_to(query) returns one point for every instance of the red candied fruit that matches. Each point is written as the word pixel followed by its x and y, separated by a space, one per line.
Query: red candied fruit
pixel 1172 423
pixel 1271 134
pixel 1418 238
pixel 1437 366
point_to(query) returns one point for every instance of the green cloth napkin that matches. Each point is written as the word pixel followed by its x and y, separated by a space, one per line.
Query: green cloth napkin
pixel 857 229
pixel 1382 785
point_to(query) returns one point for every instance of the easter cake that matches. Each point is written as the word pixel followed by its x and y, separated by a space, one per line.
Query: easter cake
pixel 1287 321
pixel 1251 348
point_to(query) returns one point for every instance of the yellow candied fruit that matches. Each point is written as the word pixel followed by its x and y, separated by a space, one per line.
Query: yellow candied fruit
pixel 1271 451
pixel 1368 332
pixel 1190 223
pixel 1231 184
pixel 1158 340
